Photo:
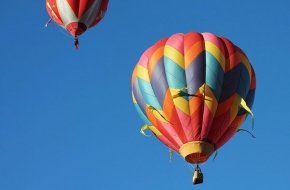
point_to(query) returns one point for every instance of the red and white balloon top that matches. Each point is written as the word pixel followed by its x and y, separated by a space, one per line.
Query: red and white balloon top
pixel 76 16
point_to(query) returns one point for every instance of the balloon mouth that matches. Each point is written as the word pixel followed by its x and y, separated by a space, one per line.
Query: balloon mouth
pixel 76 28
pixel 196 152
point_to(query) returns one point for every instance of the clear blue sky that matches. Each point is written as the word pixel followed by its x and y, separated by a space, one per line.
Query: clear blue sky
pixel 67 120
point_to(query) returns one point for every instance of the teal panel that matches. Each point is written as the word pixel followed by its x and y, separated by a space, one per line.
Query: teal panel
pixel 148 94
pixel 142 115
pixel 214 75
pixel 174 73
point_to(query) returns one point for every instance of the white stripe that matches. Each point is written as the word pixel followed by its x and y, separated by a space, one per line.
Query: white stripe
pixel 67 14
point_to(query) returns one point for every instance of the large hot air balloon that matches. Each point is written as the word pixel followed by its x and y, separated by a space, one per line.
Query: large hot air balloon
pixel 193 91
pixel 76 16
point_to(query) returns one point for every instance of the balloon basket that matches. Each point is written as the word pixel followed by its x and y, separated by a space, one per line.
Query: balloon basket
pixel 197 176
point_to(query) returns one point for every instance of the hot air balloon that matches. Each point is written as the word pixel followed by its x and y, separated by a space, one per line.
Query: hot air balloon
pixel 76 16
pixel 193 91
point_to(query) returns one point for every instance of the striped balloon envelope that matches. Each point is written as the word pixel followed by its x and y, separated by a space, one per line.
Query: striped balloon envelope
pixel 76 16
pixel 193 91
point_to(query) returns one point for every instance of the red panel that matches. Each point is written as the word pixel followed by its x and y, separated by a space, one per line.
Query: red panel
pixel 207 122
pixel 241 51
pixel 229 47
pixel 80 6
pixel 144 59
pixel 231 54
pixel 190 39
pixel 230 131
pixel 226 136
pixel 176 125
pixel 219 126
pixel 185 121
pixel 253 81
pixel 166 131
pixel 53 5
pixel 225 106
pixel 196 123
pixel 177 42
pixel 168 143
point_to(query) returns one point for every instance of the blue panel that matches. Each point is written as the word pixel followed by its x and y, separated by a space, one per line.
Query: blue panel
pixel 148 94
pixel 214 75
pixel 244 84
pixel 175 74
pixel 141 114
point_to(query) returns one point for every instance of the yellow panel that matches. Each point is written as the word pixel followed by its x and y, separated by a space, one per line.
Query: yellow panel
pixel 142 73
pixel 152 128
pixel 239 102
pixel 180 102
pixel 158 114
pixel 210 100
pixel 216 52
pixel 174 55
pixel 155 130
pixel 247 64
pixel 242 103
pixel 133 97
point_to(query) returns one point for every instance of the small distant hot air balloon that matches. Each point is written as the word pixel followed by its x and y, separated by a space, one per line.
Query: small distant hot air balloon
pixel 193 91
pixel 76 16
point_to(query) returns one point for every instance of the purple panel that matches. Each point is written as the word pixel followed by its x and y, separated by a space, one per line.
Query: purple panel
pixel 158 81
pixel 195 74
pixel 249 100
pixel 230 83
pixel 138 96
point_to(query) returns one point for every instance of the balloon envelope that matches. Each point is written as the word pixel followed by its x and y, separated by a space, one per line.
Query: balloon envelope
pixel 193 91
pixel 76 16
